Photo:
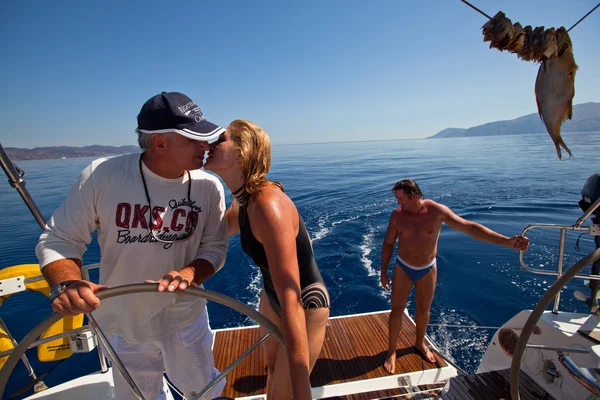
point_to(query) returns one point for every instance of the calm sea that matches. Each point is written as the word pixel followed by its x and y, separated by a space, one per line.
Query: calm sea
pixel 343 192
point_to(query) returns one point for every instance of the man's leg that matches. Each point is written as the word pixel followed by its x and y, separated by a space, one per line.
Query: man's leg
pixel 424 290
pixel 189 360
pixel 401 285
pixel 144 364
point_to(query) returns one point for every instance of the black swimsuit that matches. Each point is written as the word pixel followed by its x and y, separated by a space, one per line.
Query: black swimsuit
pixel 314 292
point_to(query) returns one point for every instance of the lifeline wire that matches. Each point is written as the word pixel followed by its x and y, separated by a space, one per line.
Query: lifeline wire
pixel 465 326
pixel 584 17
pixel 476 9
pixel 488 17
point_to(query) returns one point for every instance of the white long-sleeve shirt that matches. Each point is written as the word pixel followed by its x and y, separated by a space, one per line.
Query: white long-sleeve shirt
pixel 109 197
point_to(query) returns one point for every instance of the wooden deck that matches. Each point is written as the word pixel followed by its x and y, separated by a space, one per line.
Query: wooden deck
pixel 492 385
pixel 353 351
pixel 487 386
pixel 422 392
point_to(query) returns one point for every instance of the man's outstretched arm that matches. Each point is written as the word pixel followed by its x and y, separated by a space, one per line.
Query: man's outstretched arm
pixel 480 232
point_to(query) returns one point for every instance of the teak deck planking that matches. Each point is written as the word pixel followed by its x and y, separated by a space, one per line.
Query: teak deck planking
pixel 353 350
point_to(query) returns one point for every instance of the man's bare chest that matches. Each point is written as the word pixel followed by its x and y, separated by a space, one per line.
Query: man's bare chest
pixel 418 227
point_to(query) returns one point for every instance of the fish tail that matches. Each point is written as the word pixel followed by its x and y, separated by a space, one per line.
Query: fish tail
pixel 558 151
pixel 561 143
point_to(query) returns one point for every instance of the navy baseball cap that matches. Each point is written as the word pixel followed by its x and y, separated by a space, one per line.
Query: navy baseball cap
pixel 175 112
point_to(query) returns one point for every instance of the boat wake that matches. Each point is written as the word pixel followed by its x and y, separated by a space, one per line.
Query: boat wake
pixel 455 337
pixel 366 248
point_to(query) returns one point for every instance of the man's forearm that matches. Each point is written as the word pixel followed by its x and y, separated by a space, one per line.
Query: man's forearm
pixel 387 251
pixel 485 234
pixel 202 269
pixel 62 270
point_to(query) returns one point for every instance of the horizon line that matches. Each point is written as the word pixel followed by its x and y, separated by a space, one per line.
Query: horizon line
pixel 309 143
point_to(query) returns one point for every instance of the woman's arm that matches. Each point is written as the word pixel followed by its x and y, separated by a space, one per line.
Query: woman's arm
pixel 232 218
pixel 274 221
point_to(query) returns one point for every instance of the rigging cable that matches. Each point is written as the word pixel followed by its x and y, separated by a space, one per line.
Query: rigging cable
pixel 584 17
pixel 488 17
pixel 465 326
pixel 476 9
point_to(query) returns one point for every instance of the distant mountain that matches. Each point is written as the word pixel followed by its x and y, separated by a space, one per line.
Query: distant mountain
pixel 448 132
pixel 586 117
pixel 39 153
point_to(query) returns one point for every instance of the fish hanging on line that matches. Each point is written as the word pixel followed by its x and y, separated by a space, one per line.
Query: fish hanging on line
pixel 555 82
pixel 554 92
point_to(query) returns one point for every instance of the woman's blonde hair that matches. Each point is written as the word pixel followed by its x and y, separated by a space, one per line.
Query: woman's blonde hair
pixel 255 152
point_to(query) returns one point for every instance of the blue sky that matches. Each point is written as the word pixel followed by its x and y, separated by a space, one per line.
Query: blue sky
pixel 77 72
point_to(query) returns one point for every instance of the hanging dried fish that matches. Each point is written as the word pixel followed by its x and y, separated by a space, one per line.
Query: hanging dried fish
pixel 528 44
pixel 555 82
pixel 518 39
pixel 554 92
pixel 497 30
pixel 563 41
pixel 525 52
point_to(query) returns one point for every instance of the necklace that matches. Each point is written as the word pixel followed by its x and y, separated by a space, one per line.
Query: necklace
pixel 187 235
pixel 241 195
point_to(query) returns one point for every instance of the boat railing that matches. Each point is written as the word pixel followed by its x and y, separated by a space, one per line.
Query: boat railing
pixel 85 270
pixel 15 179
pixel 50 339
pixel 593 229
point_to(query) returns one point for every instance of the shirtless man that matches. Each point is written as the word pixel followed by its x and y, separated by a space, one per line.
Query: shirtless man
pixel 417 224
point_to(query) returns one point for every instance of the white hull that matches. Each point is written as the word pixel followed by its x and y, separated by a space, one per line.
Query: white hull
pixel 558 330
pixel 96 386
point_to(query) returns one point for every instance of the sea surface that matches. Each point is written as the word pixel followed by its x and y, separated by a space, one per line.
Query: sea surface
pixel 343 191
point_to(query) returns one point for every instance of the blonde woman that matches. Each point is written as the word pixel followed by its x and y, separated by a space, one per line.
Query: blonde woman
pixel 273 234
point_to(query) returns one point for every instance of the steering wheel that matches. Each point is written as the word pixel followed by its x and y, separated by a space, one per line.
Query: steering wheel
pixel 19 350
pixel 536 314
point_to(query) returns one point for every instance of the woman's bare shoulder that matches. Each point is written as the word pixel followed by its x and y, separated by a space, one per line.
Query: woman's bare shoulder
pixel 271 200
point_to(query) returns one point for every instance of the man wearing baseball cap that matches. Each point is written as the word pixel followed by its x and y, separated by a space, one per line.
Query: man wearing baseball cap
pixel 158 218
